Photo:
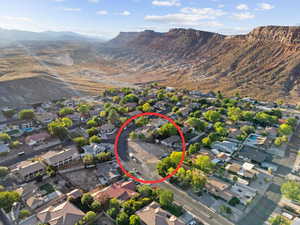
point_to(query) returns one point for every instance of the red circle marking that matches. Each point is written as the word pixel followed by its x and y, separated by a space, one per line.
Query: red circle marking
pixel 117 154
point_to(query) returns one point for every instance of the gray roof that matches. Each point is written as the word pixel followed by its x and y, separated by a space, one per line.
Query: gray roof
pixel 4 148
pixel 253 154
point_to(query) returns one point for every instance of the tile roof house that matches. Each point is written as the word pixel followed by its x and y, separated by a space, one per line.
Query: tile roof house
pixel 120 190
pixel 61 158
pixel 37 139
pixel 63 214
pixel 154 215
pixel 219 188
pixel 28 170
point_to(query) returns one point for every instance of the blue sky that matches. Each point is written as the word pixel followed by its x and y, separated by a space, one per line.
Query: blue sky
pixel 106 18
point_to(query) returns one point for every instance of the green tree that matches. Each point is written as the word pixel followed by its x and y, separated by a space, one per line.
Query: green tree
pixel 198 180
pixel 5 137
pixel 113 115
pixel 84 109
pixel 145 190
pixel 4 171
pixel 67 122
pixel 96 206
pixel 92 131
pixel 167 130
pixel 147 107
pixel 26 114
pixel 175 157
pixel 7 199
pixel 141 121
pixel 134 220
pixel 207 141
pixel 285 129
pixel 291 190
pixel 212 116
pixel 234 114
pixel 193 148
pixel 203 163
pixel 66 111
pixel 122 219
pixel 196 123
pixel 24 213
pixel 247 130
pixel 89 217
pixel 88 159
pixel 130 98
pixel 279 220
pixel 87 199
pixel 58 128
pixel 80 141
pixel 95 139
pixel 166 198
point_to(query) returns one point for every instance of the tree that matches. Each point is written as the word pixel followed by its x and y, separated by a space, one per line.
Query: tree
pixel 166 198
pixel 265 119
pixel 279 220
pixel 113 115
pixel 5 137
pixel 87 200
pixel 84 109
pixel 292 122
pixel 24 213
pixel 166 130
pixel 206 141
pixel 176 157
pixel 225 209
pixel 291 190
pixel 7 199
pixel 112 212
pixel 234 114
pixel 95 139
pixel 58 128
pixel 88 159
pixel 89 217
pixel 212 116
pixel 80 141
pixel 66 111
pixel 104 156
pixel 193 148
pixel 4 171
pixel 285 129
pixel 146 107
pixel 130 98
pixel 234 201
pixel 145 190
pixel 141 121
pixel 247 130
pixel 91 123
pixel 198 180
pixel 196 123
pixel 96 206
pixel 134 220
pixel 203 163
pixel 92 131
pixel 122 219
pixel 26 114
pixel 114 203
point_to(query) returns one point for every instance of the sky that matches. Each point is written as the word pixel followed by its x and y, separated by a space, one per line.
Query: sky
pixel 106 18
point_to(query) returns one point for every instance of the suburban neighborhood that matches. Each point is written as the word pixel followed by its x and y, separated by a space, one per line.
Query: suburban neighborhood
pixel 241 165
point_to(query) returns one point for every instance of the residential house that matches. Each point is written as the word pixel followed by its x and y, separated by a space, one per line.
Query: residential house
pixel 244 193
pixel 153 214
pixel 219 188
pixel 253 155
pixel 94 148
pixel 37 139
pixel 107 130
pixel 226 146
pixel 108 172
pixel 122 191
pixel 4 149
pixel 172 142
pixel 62 158
pixel 255 140
pixel 45 117
pixel 28 170
pixel 62 214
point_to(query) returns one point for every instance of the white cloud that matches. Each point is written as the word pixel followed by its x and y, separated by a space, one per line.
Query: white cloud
pixel 71 9
pixel 166 3
pixel 125 13
pixel 93 1
pixel 265 6
pixel 243 16
pixel 221 6
pixel 58 0
pixel 102 12
pixel 16 18
pixel 242 7
pixel 206 13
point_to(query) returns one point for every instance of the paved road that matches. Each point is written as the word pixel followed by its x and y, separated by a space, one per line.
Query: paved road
pixel 4 220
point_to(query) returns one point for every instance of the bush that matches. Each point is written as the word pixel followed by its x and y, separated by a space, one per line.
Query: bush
pixel 26 114
pixel 24 213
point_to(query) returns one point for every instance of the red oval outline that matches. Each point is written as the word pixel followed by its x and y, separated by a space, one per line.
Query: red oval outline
pixel 117 154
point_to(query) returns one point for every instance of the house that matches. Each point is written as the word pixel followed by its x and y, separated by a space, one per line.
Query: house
pixel 45 117
pixel 4 149
pixel 219 188
pixel 172 142
pixel 94 149
pixel 120 190
pixel 253 155
pixel 28 170
pixel 75 194
pixel 153 214
pixel 58 159
pixel 225 146
pixel 239 170
pixel 107 130
pixel 108 172
pixel 62 214
pixel 255 140
pixel 244 193
pixel 37 139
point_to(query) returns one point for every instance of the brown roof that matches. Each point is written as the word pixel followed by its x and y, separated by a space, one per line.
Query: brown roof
pixel 120 190
pixel 233 167
pixel 37 137
pixel 63 214
pixel 154 215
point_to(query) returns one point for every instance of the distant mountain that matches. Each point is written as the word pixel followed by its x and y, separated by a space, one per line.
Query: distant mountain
pixel 9 36
pixel 264 63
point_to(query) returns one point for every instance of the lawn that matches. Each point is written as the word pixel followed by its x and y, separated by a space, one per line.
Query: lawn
pixel 48 188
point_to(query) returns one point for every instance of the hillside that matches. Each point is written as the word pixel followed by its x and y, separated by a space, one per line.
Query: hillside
pixel 264 63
